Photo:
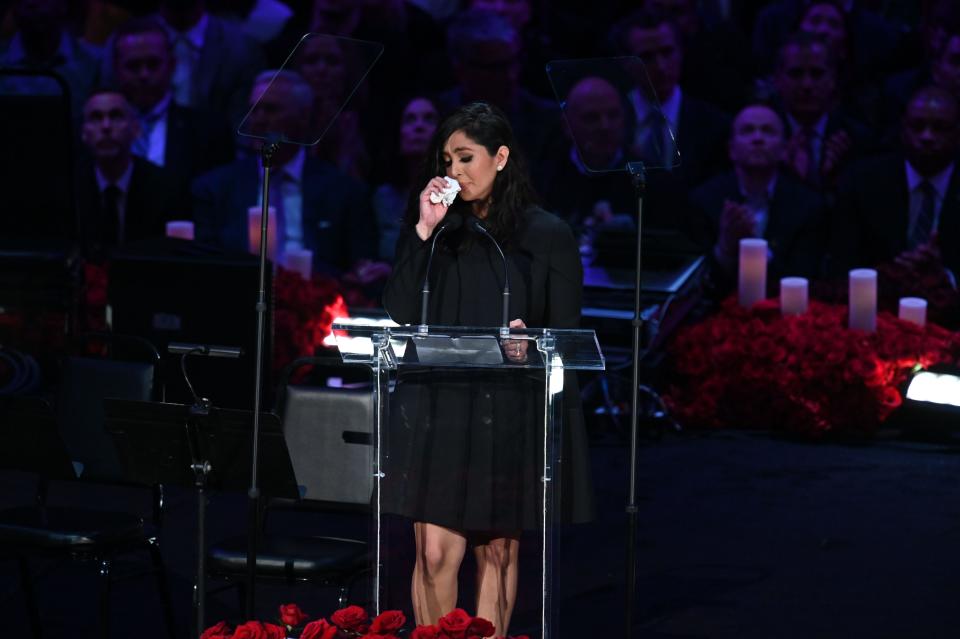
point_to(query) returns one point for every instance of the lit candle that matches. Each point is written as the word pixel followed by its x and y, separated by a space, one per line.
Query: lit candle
pixel 180 229
pixel 793 295
pixel 753 271
pixel 301 261
pixel 913 309
pixel 253 231
pixel 863 299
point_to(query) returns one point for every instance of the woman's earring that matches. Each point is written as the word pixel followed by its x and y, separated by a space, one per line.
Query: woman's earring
pixel 499 167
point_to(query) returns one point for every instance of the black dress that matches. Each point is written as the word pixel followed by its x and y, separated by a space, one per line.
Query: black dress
pixel 462 445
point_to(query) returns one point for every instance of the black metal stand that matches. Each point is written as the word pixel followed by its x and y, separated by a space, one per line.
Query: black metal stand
pixel 267 152
pixel 639 179
pixel 201 470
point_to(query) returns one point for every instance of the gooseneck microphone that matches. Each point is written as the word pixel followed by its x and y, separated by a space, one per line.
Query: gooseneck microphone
pixel 478 226
pixel 451 222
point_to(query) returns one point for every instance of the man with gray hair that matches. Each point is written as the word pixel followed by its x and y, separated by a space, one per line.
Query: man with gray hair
pixel 317 207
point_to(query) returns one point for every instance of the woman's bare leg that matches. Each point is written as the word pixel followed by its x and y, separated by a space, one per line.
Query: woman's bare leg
pixel 433 589
pixel 497 569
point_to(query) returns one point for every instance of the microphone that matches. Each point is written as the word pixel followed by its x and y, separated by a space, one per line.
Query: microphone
pixel 451 222
pixel 480 228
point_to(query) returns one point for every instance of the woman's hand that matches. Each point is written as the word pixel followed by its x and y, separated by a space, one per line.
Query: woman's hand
pixel 516 349
pixel 431 214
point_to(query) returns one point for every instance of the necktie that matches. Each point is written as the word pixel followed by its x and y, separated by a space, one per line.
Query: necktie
pixel 654 150
pixel 813 162
pixel 277 181
pixel 923 224
pixel 111 235
pixel 185 54
pixel 141 146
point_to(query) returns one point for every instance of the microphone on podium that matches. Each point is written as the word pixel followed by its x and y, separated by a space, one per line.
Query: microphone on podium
pixel 478 226
pixel 451 222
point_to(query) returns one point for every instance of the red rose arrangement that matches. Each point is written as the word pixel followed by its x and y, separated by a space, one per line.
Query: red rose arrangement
pixel 805 374
pixel 353 622
pixel 304 312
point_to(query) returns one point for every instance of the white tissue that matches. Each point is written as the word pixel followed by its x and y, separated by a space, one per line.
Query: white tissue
pixel 449 193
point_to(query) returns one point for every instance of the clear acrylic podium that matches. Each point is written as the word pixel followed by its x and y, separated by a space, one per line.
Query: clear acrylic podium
pixel 554 351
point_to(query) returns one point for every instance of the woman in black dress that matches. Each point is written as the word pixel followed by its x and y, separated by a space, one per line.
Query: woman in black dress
pixel 462 446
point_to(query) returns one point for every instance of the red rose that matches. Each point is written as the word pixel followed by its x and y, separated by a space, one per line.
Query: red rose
pixel 350 618
pixel 257 630
pixel 291 615
pixel 425 632
pixel 455 623
pixel 480 627
pixel 319 629
pixel 388 621
pixel 219 631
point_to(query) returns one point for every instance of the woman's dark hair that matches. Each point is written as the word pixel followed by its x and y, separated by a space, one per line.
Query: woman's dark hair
pixel 512 192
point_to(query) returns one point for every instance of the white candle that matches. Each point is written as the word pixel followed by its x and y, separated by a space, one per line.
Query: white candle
pixel 301 261
pixel 753 271
pixel 794 292
pixel 253 231
pixel 913 309
pixel 863 299
pixel 181 229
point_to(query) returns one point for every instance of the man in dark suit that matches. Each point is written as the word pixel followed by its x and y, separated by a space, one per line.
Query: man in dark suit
pixel 184 140
pixel 317 207
pixel 122 198
pixel 756 199
pixel 215 61
pixel 821 138
pixel 696 128
pixel 486 53
pixel 905 207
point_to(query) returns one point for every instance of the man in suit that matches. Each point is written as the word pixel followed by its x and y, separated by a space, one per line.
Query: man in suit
pixel 317 207
pixel 215 62
pixel 184 140
pixel 821 138
pixel 585 183
pixel 486 53
pixel 905 207
pixel 123 199
pixel 757 199
pixel 696 128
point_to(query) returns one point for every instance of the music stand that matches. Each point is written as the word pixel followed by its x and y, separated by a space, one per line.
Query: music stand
pixel 185 445
pixel 637 136
pixel 333 67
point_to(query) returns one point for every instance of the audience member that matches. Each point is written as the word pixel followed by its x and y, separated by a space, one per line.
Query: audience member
pixel 317 207
pixel 584 182
pixel 757 199
pixel 214 60
pixel 418 121
pixel 329 65
pixel 821 136
pixel 874 40
pixel 716 57
pixel 43 43
pixel 695 127
pixel 184 140
pixel 537 43
pixel 939 24
pixel 905 206
pixel 486 53
pixel 122 198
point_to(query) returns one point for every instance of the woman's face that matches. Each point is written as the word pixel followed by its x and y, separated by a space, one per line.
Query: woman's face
pixel 417 124
pixel 824 20
pixel 470 164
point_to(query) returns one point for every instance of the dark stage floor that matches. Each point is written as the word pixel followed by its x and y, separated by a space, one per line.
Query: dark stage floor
pixel 741 535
